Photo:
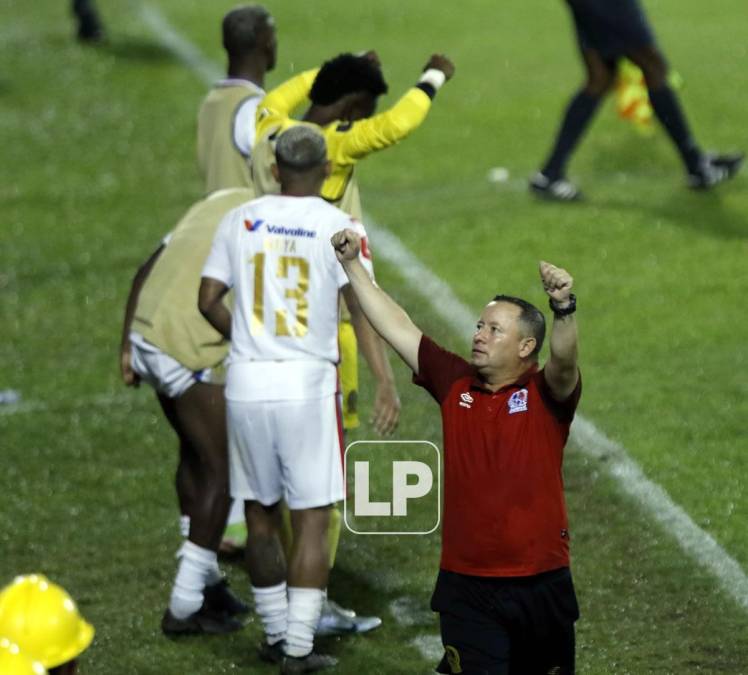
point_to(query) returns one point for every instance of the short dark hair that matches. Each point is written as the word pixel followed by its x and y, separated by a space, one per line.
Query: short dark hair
pixel 531 320
pixel 300 148
pixel 242 27
pixel 346 74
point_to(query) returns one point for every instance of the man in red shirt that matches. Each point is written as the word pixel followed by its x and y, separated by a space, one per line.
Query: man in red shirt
pixel 504 594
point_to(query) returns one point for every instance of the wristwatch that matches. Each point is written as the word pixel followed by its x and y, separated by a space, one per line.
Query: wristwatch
pixel 560 312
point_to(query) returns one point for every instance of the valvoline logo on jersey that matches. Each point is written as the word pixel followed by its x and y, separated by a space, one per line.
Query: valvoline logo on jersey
pixel 278 229
pixel 253 227
pixel 518 401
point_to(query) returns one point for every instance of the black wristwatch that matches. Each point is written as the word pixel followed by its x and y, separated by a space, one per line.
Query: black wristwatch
pixel 560 312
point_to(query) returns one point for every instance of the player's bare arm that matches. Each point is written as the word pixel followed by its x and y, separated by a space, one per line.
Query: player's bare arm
pixel 561 372
pixel 129 376
pixel 210 304
pixel 385 315
pixel 386 412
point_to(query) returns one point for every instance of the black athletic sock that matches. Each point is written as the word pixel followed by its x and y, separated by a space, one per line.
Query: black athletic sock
pixel 670 113
pixel 576 120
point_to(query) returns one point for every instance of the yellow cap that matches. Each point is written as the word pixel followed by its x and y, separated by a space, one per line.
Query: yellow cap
pixel 14 662
pixel 42 619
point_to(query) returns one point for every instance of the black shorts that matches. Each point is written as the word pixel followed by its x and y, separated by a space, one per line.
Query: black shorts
pixel 613 28
pixel 506 626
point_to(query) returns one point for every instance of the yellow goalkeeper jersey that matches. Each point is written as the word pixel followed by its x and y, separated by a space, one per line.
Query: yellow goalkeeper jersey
pixel 347 142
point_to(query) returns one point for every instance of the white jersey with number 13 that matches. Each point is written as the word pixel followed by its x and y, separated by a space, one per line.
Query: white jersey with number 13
pixel 275 253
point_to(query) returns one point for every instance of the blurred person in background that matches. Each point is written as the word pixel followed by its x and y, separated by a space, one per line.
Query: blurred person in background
pixel 608 30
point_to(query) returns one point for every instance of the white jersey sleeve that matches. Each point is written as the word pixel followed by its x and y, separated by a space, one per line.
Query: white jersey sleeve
pixel 244 125
pixel 218 263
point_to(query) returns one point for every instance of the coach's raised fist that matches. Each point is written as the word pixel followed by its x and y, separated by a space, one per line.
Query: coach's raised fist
pixel 347 244
pixel 557 282
pixel 441 62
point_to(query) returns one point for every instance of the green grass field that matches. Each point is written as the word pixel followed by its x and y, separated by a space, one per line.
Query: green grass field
pixel 99 162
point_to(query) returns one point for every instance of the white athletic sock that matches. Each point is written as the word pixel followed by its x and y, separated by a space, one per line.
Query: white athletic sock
pixel 195 564
pixel 214 574
pixel 271 605
pixel 184 526
pixel 304 608
pixel 236 513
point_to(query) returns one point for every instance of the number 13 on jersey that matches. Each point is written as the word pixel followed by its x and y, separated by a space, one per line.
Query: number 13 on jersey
pixel 299 325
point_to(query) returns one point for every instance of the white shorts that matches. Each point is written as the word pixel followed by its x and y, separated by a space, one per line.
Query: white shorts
pixel 165 374
pixel 291 449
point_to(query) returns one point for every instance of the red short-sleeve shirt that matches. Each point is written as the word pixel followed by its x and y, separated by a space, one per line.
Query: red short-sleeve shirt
pixel 504 508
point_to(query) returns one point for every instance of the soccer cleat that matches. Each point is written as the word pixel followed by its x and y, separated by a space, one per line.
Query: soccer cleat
pixel 364 624
pixel 559 190
pixel 220 598
pixel 271 653
pixel 310 663
pixel 715 169
pixel 333 606
pixel 202 622
pixel 335 620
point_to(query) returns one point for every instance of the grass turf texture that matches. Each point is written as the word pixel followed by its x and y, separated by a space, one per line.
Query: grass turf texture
pixel 99 164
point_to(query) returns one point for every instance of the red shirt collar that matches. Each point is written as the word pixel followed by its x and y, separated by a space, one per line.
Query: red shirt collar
pixel 477 383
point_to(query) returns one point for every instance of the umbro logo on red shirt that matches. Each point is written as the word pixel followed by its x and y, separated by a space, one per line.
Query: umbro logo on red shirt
pixel 466 400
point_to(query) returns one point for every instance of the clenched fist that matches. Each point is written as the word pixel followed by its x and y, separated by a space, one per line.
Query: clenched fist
pixel 557 283
pixel 347 245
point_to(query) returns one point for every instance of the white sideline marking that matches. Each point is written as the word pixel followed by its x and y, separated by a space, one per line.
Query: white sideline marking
pixel 32 406
pixel 178 45
pixel 652 498
pixel 430 647
pixel 697 543
pixel 408 612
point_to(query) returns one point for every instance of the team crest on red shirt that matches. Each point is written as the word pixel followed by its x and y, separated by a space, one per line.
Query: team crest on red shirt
pixel 518 401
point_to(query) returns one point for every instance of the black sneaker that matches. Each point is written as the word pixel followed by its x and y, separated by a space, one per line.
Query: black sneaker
pixel 204 621
pixel 271 653
pixel 310 663
pixel 559 190
pixel 220 598
pixel 715 169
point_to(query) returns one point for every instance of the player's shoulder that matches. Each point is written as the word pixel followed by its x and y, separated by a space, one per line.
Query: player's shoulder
pixel 335 217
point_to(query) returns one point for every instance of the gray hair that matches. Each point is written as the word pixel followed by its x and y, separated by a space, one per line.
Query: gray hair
pixel 300 148
pixel 242 27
